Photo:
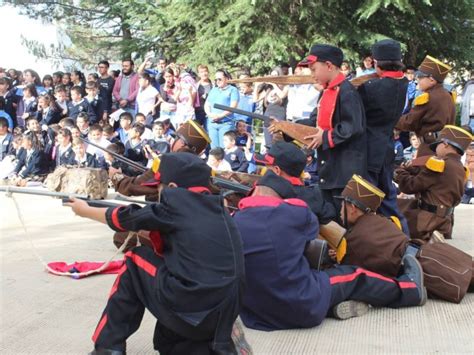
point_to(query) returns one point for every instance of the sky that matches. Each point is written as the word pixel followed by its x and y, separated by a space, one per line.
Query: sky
pixel 14 54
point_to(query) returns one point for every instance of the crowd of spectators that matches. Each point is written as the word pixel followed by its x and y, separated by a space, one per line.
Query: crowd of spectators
pixel 135 112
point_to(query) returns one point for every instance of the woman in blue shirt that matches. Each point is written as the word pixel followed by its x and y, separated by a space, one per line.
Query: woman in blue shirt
pixel 218 121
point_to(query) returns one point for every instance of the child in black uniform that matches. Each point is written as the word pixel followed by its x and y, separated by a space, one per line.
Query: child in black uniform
pixel 192 280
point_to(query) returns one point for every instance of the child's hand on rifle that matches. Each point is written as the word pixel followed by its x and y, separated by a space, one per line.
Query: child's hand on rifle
pixel 78 206
pixel 113 171
pixel 317 139
pixel 274 125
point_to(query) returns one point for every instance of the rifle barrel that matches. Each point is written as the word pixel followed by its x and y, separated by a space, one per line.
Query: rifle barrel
pixel 28 191
pixel 243 112
pixel 230 185
pixel 118 156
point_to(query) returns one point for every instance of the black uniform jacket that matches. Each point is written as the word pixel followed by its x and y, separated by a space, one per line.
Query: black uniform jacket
pixel 384 100
pixel 203 259
pixel 349 155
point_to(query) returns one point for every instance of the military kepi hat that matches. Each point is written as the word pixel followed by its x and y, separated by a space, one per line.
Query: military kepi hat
pixel 362 194
pixel 194 136
pixel 433 67
pixel 323 53
pixel 387 49
pixel 455 136
pixel 184 169
pixel 278 184
pixel 285 155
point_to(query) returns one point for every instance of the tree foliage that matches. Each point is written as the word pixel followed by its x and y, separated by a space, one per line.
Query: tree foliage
pixel 258 34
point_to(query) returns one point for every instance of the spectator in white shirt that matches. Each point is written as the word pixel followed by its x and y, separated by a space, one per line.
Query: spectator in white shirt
pixel 147 97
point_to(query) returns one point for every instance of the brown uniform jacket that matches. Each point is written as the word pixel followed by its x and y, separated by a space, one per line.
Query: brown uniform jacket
pixel 132 186
pixel 441 189
pixel 429 118
pixel 375 243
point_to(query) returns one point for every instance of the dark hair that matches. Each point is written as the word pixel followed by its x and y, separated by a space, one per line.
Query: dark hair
pixel 113 147
pixel 65 132
pixel 91 85
pixel 411 67
pixel 217 153
pixel 5 81
pixel 32 89
pixel 60 88
pixel 145 76
pixel 2 103
pixel 139 128
pixel 225 72
pixel 126 115
pixel 104 62
pixel 80 75
pixel 139 114
pixel 158 123
pixel 47 77
pixel 390 65
pixel 108 129
pixel 96 127
pixel 31 136
pixel 37 80
pixel 231 135
pixel 95 75
pixel 67 122
pixel 128 60
pixel 77 89
pixel 83 115
pixel 58 73
pixel 116 72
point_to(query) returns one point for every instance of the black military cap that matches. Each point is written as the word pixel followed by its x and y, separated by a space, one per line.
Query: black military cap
pixel 278 184
pixel 184 169
pixel 323 53
pixel 285 155
pixel 387 49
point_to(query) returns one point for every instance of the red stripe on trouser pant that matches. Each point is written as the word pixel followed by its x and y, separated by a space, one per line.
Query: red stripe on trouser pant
pixel 353 276
pixel 99 328
pixel 140 262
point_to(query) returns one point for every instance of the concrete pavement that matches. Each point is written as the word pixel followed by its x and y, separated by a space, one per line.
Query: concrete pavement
pixel 46 314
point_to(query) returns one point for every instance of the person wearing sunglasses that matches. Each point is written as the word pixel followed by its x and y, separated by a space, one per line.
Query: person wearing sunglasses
pixel 218 121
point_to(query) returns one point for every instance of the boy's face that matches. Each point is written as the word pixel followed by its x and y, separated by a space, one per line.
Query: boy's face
pixel 212 161
pixel 132 134
pixel 143 83
pixel 33 125
pixel 61 96
pixel 415 142
pixel 353 213
pixel 75 96
pixel 82 123
pixel 158 131
pixel 91 92
pixel 124 123
pixel 3 129
pixel 96 135
pixel 79 150
pixel 228 143
pixel 426 83
pixel 140 119
pixel 321 72
pixel 66 80
pixel 203 74
pixel 410 74
pixel 443 149
pixel 241 127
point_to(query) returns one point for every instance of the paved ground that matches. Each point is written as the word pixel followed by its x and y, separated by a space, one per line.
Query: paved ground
pixel 46 314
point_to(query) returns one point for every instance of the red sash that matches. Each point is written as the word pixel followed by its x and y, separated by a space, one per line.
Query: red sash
pixel 327 104
pixel 392 74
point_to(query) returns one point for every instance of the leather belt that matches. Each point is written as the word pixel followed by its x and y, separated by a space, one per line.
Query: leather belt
pixel 441 211
pixel 429 137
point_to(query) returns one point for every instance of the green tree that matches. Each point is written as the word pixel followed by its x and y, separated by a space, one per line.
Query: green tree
pixel 259 34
